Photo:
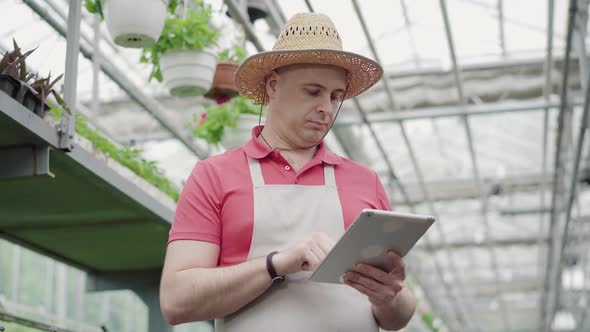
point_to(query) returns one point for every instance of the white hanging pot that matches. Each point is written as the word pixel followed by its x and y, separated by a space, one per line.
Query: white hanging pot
pixel 135 23
pixel 188 72
pixel 235 137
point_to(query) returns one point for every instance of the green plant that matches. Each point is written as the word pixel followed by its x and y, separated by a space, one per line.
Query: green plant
pixel 42 87
pixel 128 157
pixel 190 32
pixel 235 54
pixel 429 319
pixel 14 327
pixel 211 125
pixel 14 65
pixel 94 7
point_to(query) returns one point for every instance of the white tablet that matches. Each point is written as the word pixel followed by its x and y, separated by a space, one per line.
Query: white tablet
pixel 367 240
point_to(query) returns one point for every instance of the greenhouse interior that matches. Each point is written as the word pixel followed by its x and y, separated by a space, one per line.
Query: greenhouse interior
pixel 480 120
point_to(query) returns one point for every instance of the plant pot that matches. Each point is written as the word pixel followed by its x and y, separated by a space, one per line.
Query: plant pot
pixel 188 72
pixel 223 82
pixel 29 100
pixel 235 137
pixel 10 86
pixel 135 23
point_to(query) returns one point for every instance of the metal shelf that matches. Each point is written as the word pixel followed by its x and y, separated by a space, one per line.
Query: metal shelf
pixel 86 215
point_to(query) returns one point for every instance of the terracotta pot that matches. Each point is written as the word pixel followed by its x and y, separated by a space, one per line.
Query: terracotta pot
pixel 223 81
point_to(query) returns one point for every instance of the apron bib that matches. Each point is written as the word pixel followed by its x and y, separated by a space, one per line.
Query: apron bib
pixel 285 215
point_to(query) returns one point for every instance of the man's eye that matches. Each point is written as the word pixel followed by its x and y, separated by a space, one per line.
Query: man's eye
pixel 313 92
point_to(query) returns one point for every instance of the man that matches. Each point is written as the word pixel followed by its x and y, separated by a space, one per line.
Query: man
pixel 271 209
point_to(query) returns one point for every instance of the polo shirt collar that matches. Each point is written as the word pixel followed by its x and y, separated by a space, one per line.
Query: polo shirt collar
pixel 256 149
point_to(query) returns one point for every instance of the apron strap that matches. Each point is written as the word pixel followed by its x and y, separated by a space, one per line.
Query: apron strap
pixel 255 172
pixel 329 177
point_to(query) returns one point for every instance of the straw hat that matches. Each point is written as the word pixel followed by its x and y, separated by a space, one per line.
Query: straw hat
pixel 306 38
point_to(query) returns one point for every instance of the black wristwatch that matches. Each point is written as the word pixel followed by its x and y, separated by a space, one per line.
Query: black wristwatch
pixel 276 279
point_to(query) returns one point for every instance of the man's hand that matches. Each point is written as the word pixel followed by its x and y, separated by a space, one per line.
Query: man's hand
pixel 305 256
pixel 379 286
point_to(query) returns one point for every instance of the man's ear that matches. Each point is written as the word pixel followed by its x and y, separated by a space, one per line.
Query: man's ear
pixel 271 84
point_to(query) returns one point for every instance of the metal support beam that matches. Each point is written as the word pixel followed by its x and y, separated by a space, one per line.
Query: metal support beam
pixel 274 19
pixel 309 6
pixel 408 25
pixel 279 11
pixel 67 127
pixel 579 42
pixel 501 25
pixel 96 64
pixel 24 162
pixel 547 297
pixel 454 111
pixel 475 168
pixel 571 196
pixel 547 90
pixel 145 101
pixel 579 34
pixel 242 18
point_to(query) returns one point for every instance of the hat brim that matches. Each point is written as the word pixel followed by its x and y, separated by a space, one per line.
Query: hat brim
pixel 250 76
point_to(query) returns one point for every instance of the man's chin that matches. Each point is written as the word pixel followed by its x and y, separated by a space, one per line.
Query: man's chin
pixel 313 140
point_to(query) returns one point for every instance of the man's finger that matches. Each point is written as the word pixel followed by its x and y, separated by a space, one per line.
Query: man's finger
pixel 317 251
pixel 311 259
pixel 373 296
pixel 375 273
pixel 325 242
pixel 397 264
pixel 369 283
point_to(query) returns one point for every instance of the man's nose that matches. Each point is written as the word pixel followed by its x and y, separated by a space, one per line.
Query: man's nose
pixel 326 106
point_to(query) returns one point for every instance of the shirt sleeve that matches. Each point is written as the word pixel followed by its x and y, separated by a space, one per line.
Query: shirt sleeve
pixel 382 199
pixel 197 215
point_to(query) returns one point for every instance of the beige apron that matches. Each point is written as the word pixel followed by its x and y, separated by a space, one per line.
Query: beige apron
pixel 284 215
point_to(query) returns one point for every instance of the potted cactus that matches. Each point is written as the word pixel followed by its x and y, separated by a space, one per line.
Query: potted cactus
pixel 131 23
pixel 183 57
pixel 223 87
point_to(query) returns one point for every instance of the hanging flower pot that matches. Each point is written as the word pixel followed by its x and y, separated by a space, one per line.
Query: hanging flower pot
pixel 223 86
pixel 134 23
pixel 188 72
pixel 183 57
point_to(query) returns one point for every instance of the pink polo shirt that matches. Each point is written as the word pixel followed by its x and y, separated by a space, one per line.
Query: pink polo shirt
pixel 217 202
